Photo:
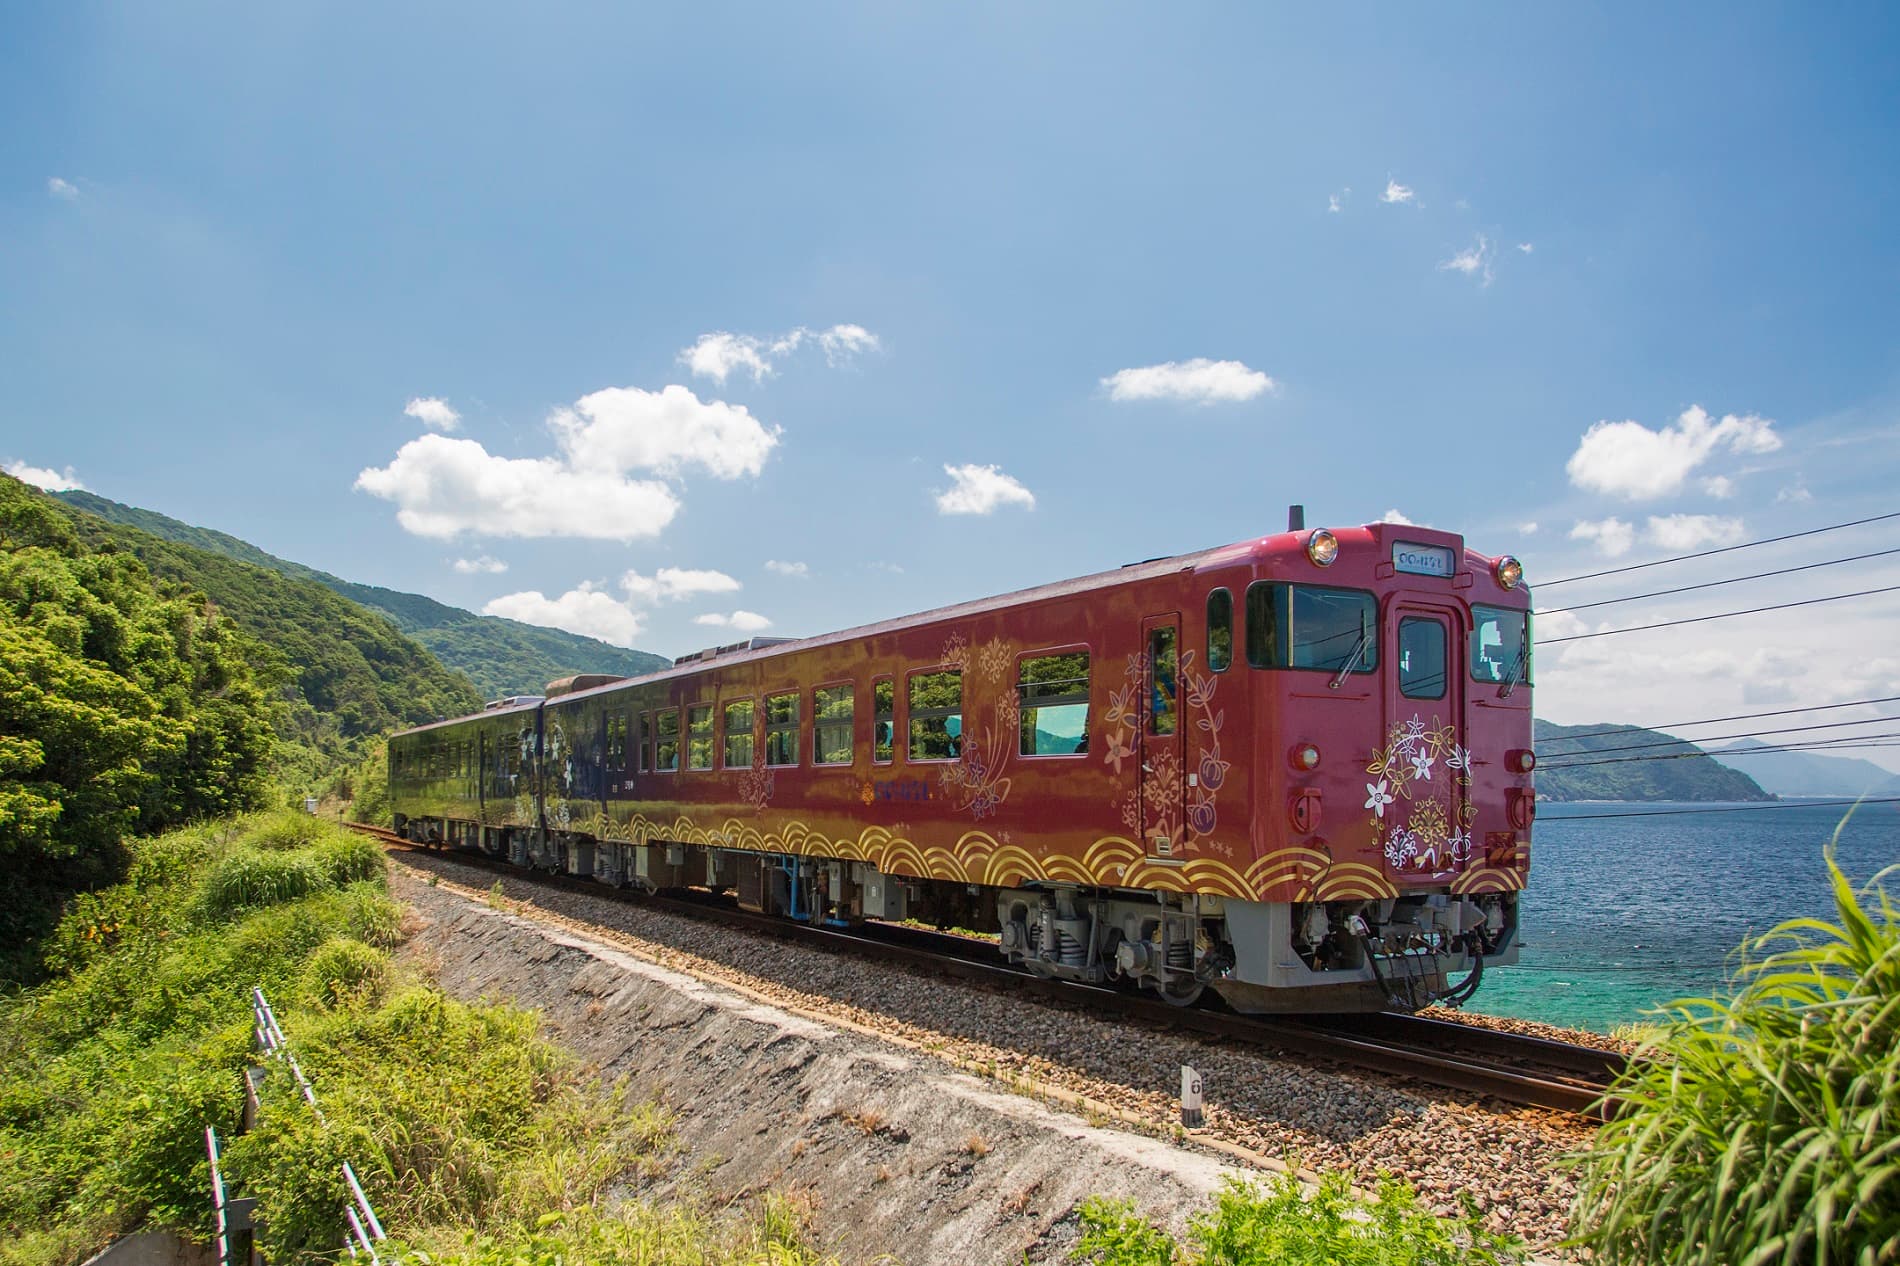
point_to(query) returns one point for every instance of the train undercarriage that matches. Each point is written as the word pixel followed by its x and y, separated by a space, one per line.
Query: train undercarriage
pixel 1257 957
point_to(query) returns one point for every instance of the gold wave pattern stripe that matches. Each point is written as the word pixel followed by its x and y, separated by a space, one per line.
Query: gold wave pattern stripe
pixel 1288 874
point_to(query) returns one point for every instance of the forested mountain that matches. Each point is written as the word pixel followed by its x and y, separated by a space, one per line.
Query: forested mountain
pixel 128 702
pixel 1807 773
pixel 1627 763
pixel 502 657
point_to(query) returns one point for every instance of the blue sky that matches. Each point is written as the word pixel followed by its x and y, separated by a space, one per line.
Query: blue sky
pixel 235 244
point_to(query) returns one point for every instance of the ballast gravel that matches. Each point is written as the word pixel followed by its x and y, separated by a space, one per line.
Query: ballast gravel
pixel 1504 1160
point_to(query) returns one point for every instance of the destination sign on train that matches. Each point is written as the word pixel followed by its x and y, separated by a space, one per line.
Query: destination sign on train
pixel 1422 560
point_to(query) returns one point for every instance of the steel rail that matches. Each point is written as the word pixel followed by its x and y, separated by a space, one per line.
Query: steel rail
pixel 1512 1067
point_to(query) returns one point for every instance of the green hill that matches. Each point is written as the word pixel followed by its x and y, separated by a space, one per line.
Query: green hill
pixel 352 674
pixel 502 657
pixel 1616 765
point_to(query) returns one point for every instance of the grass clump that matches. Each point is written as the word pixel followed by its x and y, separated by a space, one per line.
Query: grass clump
pixel 251 877
pixel 1278 1221
pixel 1763 1127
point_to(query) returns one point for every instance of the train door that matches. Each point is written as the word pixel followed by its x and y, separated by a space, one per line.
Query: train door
pixel 1421 796
pixel 1161 795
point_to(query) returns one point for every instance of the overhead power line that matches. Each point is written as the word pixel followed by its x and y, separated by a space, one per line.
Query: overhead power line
pixel 1720 615
pixel 1745 808
pixel 1716 584
pixel 1739 716
pixel 1726 549
pixel 1722 738
pixel 1851 743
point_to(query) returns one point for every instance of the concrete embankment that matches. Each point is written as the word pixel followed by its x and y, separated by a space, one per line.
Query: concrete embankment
pixel 899 1156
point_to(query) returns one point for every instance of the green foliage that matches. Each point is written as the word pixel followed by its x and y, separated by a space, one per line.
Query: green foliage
pixel 111 1068
pixel 478 1140
pixel 126 704
pixel 349 858
pixel 1279 1222
pixel 1767 1128
pixel 1688 777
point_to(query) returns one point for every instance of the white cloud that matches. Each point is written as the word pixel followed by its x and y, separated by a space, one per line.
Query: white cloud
pixel 586 610
pixel 1527 529
pixel 1197 381
pixel 673 583
pixel 1691 531
pixel 980 490
pixel 1794 495
pixel 1628 459
pixel 721 353
pixel 61 189
pixel 895 569
pixel 740 621
pixel 1474 261
pixel 1336 203
pixel 626 428
pixel 480 566
pixel 1526 247
pixel 800 570
pixel 1395 193
pixel 432 411
pixel 1721 487
pixel 1613 537
pixel 1393 516
pixel 41 477
pixel 445 487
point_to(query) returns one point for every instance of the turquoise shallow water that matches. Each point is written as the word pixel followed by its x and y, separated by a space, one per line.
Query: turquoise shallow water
pixel 1624 913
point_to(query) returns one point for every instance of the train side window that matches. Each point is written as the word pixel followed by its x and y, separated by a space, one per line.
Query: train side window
pixel 936 715
pixel 884 726
pixel 666 740
pixel 1053 698
pixel 781 729
pixel 1422 659
pixel 1312 626
pixel 831 733
pixel 1220 630
pixel 616 742
pixel 1163 681
pixel 738 721
pixel 699 737
pixel 643 739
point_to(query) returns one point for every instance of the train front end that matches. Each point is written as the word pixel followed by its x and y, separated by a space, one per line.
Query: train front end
pixel 1392 771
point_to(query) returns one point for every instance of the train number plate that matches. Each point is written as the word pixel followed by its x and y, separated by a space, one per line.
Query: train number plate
pixel 1422 560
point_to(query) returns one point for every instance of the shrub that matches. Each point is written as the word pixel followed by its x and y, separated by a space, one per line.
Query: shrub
pixel 249 878
pixel 1277 1221
pixel 1765 1127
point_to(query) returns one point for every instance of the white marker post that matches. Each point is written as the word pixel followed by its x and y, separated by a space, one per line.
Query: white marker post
pixel 1191 1099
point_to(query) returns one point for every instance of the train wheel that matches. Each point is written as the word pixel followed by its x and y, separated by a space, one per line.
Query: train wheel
pixel 1179 994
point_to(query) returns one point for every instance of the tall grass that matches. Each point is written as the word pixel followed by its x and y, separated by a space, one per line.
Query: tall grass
pixel 1763 1127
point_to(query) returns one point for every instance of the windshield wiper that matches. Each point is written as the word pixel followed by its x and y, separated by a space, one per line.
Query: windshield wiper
pixel 1358 649
pixel 1517 670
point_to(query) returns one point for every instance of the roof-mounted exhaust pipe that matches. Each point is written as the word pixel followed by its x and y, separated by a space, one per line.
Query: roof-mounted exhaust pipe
pixel 1296 518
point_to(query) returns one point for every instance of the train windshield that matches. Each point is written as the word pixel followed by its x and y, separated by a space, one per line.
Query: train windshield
pixel 1312 626
pixel 1500 645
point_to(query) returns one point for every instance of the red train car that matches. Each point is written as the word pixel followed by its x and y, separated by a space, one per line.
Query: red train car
pixel 1295 769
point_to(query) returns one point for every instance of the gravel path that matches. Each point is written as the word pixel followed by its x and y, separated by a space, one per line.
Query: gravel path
pixel 1504 1158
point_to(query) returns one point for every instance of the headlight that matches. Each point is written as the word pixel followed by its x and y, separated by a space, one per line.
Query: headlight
pixel 1304 756
pixel 1509 572
pixel 1322 547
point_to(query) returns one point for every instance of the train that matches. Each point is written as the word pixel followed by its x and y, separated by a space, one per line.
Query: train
pixel 1296 771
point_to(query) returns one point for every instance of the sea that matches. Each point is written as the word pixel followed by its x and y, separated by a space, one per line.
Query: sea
pixel 1631 906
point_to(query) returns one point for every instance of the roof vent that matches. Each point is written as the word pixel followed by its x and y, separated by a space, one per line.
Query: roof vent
pixel 732 648
pixel 580 681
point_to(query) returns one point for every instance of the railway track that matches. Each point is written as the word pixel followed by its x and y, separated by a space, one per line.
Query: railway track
pixel 1510 1067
